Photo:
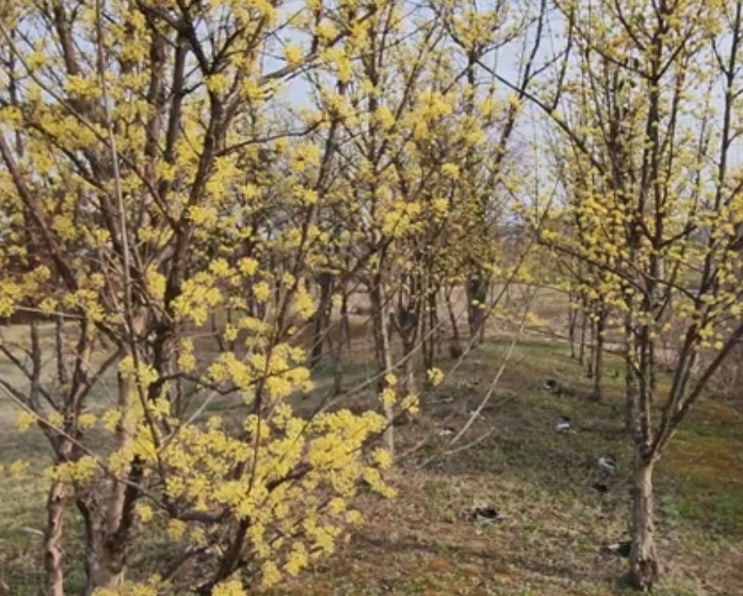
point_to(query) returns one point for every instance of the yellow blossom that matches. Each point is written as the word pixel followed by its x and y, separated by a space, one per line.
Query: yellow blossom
pixel 25 420
pixel 248 266
pixel 176 529
pixel 144 512
pixel 55 419
pixel 261 291
pixel 388 397
pixel 435 376
pixel 111 419
pixel 230 587
pixel 382 458
pixel 293 54
pixel 410 404
pixel 270 574
pixel 18 468
pixel 86 421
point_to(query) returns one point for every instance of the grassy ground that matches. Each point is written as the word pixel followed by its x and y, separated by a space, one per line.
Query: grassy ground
pixel 548 543
pixel 541 481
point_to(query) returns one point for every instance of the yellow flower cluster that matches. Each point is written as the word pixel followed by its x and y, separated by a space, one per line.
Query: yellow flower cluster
pixel 80 471
pixel 293 479
pixel 435 376
pixel 197 298
pixel 13 292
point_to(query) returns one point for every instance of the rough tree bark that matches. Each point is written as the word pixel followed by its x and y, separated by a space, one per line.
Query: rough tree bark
pixel 55 506
pixel 643 559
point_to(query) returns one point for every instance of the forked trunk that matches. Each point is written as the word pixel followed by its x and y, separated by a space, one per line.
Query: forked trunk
pixel 94 536
pixel 111 572
pixel 643 571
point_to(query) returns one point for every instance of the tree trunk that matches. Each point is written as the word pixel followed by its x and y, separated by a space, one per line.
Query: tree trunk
pixel 430 333
pixel 572 321
pixel 583 323
pixel 631 390
pixel 408 351
pixel 409 311
pixel 114 546
pixel 124 433
pixel 53 539
pixel 455 344
pixel 321 318
pixel 100 570
pixel 345 322
pixel 111 570
pixel 383 354
pixel 335 351
pixel 591 364
pixel 477 296
pixel 63 376
pixel 598 360
pixel 652 369
pixel 435 324
pixel 94 535
pixel 643 571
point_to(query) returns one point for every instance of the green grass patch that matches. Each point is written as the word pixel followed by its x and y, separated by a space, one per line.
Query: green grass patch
pixel 554 522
